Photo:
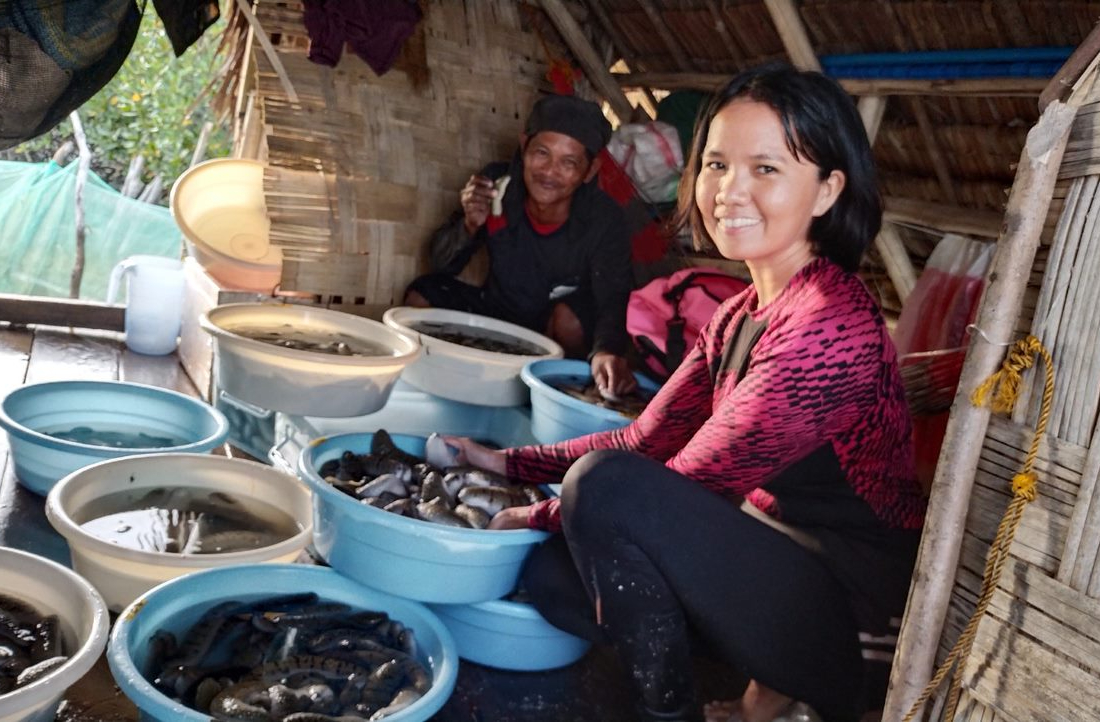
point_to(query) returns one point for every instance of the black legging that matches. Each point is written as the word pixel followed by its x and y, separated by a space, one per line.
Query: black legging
pixel 657 553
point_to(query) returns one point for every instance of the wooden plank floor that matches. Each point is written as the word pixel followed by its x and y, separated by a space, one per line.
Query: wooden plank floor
pixel 593 689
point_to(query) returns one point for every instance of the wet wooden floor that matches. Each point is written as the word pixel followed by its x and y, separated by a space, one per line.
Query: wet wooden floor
pixel 594 689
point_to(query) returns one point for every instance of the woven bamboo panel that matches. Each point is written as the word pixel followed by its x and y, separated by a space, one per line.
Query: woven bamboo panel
pixel 361 168
pixel 1038 645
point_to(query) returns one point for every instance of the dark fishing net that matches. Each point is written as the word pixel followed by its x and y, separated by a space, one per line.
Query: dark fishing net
pixel 56 54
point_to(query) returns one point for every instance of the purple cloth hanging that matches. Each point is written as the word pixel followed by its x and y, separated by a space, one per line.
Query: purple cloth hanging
pixel 374 30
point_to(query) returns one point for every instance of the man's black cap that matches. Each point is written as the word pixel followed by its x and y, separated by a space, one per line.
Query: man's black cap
pixel 581 120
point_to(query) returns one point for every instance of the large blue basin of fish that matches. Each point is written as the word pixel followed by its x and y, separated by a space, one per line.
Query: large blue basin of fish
pixel 178 605
pixel 404 556
pixel 556 415
pixel 57 427
pixel 509 635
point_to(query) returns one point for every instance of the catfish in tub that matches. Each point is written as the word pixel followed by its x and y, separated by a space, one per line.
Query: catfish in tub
pixel 435 489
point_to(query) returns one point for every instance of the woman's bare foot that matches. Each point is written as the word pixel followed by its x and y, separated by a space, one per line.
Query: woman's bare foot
pixel 757 704
pixel 761 704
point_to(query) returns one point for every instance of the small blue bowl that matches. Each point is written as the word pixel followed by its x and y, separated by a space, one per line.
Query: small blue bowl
pixel 557 416
pixel 30 411
pixel 407 557
pixel 177 604
pixel 509 635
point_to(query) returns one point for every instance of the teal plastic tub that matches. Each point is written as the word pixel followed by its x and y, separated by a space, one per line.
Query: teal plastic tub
pixel 407 557
pixel 557 416
pixel 509 635
pixel 176 605
pixel 187 425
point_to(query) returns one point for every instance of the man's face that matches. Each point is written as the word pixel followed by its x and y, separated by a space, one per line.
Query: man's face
pixel 554 166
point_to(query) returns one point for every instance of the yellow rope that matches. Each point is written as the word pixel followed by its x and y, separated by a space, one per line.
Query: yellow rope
pixel 1004 386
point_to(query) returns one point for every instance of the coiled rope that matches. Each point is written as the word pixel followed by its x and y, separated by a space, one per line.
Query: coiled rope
pixel 1004 387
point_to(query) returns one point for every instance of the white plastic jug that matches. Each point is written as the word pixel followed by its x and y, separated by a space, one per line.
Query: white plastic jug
pixel 154 302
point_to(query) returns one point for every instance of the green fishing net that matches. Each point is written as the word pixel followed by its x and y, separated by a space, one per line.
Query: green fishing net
pixel 38 230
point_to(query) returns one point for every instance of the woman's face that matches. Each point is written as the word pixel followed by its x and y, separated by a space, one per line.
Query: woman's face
pixel 756 198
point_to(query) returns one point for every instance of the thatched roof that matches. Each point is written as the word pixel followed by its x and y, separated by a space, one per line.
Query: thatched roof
pixel 946 147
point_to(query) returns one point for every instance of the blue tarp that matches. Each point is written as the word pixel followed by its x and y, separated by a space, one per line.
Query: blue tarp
pixel 38 230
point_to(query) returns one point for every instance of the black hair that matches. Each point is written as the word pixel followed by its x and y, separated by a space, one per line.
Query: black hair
pixel 822 125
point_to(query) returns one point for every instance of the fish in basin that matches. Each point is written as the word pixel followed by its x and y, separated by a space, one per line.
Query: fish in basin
pixel 434 489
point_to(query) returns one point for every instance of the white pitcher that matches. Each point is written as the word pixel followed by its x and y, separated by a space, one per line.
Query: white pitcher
pixel 154 302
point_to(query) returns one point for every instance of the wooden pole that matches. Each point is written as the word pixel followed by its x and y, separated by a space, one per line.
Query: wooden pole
pixel 943 217
pixel 1025 216
pixel 961 87
pixel 682 60
pixel 81 179
pixel 625 49
pixel 792 31
pixel 590 61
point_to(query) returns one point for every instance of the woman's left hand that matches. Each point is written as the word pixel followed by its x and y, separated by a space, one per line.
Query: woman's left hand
pixel 473 453
pixel 514 517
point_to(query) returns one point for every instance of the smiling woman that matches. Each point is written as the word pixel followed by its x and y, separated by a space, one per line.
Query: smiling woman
pixel 765 500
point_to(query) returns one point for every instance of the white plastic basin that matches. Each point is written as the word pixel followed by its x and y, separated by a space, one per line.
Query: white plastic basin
pixel 296 381
pixel 84 622
pixel 219 207
pixel 463 373
pixel 121 574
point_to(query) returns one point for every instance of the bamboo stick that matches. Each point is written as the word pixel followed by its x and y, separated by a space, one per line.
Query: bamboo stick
pixel 933 580
pixel 132 184
pixel 666 36
pixel 625 49
pixel 81 179
pixel 939 162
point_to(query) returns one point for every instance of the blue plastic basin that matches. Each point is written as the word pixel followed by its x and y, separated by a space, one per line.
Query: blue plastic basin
pixel 176 605
pixel 557 416
pixel 509 635
pixel 41 460
pixel 407 557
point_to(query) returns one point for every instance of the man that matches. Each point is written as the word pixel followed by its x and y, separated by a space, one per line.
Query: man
pixel 558 247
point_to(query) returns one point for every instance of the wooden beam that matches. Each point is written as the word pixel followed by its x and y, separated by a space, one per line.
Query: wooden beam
pixel 932 146
pixel 590 61
pixel 28 310
pixel 899 267
pixel 943 217
pixel 963 87
pixel 625 49
pixel 792 31
pixel 670 41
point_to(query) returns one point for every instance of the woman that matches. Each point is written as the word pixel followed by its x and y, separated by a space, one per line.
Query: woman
pixel 766 500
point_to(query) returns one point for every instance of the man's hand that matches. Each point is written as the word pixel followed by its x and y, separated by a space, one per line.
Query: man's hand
pixel 477 198
pixel 612 374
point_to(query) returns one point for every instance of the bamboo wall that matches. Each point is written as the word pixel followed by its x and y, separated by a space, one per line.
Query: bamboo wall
pixel 1036 655
pixel 362 168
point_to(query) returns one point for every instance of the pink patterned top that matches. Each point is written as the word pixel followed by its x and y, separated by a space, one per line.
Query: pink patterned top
pixel 821 379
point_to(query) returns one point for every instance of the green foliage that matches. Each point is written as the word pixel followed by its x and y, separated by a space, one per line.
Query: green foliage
pixel 149 108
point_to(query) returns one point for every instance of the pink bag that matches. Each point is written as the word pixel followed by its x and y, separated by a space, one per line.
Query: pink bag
pixel 664 317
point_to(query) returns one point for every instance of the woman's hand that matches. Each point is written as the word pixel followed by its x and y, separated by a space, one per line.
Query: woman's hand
pixel 472 453
pixel 612 375
pixel 514 517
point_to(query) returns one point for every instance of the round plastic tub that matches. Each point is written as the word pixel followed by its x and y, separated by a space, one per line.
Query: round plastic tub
pixel 509 635
pixel 408 557
pixel 83 623
pixel 557 416
pixel 463 373
pixel 219 207
pixel 297 381
pixel 176 605
pixel 122 573
pixel 40 459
